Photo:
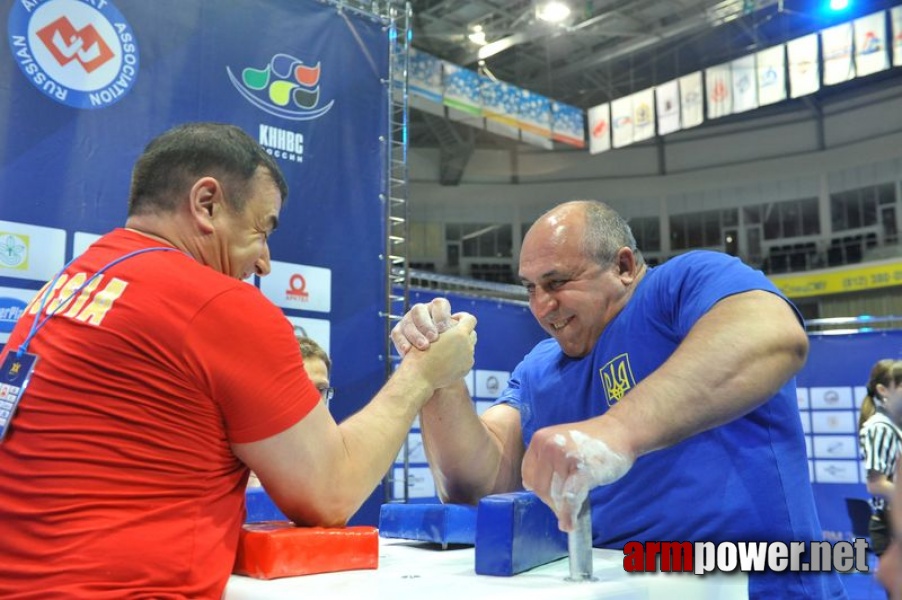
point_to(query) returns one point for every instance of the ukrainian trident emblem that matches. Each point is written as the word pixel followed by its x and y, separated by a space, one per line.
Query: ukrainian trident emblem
pixel 618 379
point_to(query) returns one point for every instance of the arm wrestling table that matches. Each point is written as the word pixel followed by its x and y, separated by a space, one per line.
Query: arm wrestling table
pixel 420 571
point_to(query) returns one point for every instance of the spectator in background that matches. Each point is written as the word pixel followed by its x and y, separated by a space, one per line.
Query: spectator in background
pixel 318 367
pixel 880 439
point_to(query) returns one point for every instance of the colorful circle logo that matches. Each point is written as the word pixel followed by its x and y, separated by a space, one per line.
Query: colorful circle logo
pixel 74 53
pixel 286 88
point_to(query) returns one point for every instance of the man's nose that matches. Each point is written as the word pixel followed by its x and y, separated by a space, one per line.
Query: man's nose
pixel 262 266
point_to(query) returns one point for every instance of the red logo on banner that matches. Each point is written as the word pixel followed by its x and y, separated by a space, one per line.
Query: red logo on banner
pixel 297 288
pixel 600 128
pixel 719 93
pixel 67 44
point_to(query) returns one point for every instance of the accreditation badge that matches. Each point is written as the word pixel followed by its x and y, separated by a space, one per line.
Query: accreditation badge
pixel 15 373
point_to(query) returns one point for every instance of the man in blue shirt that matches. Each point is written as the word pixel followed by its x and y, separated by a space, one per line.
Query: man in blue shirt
pixel 665 394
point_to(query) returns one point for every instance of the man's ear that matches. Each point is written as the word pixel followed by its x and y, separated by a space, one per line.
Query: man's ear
pixel 627 265
pixel 204 201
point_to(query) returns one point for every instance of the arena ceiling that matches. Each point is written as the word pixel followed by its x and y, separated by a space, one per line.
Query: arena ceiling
pixel 607 49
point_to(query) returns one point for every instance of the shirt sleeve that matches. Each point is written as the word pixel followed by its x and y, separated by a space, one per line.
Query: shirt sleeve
pixel 706 278
pixel 243 352
pixel 879 445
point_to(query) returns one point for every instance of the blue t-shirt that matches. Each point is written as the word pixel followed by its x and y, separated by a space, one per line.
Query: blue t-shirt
pixel 746 480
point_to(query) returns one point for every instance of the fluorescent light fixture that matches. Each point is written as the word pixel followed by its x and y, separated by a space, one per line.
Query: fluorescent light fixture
pixel 553 11
pixel 839 4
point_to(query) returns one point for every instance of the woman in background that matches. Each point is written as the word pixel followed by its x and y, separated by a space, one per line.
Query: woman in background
pixel 880 439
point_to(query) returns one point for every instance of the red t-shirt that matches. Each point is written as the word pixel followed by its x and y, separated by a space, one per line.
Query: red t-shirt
pixel 116 477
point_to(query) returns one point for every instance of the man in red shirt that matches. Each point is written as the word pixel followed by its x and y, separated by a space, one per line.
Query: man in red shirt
pixel 162 378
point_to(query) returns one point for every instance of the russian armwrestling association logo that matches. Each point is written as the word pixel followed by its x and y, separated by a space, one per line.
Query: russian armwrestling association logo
pixel 79 53
pixel 286 88
pixel 13 251
pixel 617 377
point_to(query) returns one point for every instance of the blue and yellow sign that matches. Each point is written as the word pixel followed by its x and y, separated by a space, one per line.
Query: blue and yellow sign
pixel 838 281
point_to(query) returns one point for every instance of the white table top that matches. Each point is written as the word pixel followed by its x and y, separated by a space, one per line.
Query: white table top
pixel 418 571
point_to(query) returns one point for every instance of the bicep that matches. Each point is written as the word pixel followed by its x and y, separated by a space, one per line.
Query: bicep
pixel 751 324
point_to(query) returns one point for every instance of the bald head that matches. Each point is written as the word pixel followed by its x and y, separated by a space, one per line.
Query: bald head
pixel 599 230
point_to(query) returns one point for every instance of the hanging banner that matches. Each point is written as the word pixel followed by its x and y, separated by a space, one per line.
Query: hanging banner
pixel 534 119
pixel 500 107
pixel 745 83
pixel 424 76
pixel 837 47
pixel 622 120
pixel 870 44
pixel 771 67
pixel 461 93
pixel 719 91
pixel 896 16
pixel 568 124
pixel 643 114
pixel 600 128
pixel 667 101
pixel 804 72
pixel 691 104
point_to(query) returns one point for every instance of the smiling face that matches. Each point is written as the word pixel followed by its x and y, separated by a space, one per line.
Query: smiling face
pixel 244 235
pixel 571 295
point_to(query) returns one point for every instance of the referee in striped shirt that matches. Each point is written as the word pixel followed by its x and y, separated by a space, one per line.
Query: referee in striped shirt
pixel 880 438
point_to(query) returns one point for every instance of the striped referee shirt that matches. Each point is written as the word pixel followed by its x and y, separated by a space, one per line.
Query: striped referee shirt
pixel 880 440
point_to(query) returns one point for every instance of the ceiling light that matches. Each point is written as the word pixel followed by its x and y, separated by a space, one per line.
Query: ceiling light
pixel 553 11
pixel 477 35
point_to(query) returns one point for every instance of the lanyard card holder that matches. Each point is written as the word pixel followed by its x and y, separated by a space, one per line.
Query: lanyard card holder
pixel 15 373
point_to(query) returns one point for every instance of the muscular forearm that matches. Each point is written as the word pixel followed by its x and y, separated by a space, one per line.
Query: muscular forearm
pixel 733 360
pixel 466 458
pixel 373 436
